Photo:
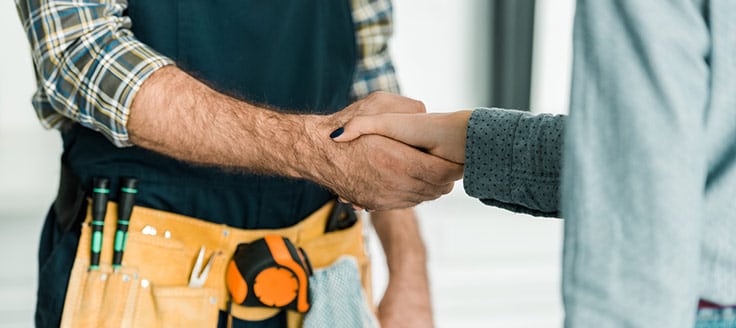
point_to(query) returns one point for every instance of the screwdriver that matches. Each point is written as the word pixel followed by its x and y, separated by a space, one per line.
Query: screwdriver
pixel 100 190
pixel 125 207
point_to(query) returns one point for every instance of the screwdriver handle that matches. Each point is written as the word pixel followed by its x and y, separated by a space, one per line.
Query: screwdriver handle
pixel 100 192
pixel 128 190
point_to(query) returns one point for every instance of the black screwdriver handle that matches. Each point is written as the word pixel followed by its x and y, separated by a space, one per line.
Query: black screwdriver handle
pixel 128 190
pixel 100 192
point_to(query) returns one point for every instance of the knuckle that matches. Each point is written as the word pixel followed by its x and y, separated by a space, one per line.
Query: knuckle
pixel 448 188
pixel 431 190
pixel 420 188
pixel 419 106
pixel 432 196
pixel 450 173
pixel 417 171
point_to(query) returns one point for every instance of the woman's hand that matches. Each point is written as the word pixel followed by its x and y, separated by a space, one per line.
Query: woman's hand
pixel 442 135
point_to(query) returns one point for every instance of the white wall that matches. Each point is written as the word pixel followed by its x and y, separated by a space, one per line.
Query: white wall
pixel 552 56
pixel 27 152
pixel 16 80
pixel 440 52
pixel 28 174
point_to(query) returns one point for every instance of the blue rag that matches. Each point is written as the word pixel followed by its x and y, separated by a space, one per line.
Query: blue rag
pixel 338 299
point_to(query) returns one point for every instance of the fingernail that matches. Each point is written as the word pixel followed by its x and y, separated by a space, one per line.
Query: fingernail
pixel 337 133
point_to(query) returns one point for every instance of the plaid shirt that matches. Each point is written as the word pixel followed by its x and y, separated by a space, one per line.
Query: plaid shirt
pixel 89 65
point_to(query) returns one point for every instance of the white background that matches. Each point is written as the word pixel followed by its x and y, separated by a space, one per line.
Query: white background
pixel 489 268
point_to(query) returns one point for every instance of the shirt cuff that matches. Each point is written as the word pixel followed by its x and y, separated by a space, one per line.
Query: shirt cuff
pixel 139 64
pixel 510 162
pixel 489 152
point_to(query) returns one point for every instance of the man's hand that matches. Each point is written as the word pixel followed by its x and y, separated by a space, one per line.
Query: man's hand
pixel 375 172
pixel 403 306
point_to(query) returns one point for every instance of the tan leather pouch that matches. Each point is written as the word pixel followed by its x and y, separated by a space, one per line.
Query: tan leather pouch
pixel 151 289
pixel 131 298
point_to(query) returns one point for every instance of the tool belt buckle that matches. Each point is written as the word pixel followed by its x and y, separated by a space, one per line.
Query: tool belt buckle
pixel 270 272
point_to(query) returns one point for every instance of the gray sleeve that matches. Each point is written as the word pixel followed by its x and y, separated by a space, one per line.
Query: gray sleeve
pixel 513 160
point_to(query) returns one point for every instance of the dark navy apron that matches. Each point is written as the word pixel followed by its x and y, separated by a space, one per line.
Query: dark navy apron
pixel 297 55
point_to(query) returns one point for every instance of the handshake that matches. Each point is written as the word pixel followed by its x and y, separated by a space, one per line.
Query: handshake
pixel 385 152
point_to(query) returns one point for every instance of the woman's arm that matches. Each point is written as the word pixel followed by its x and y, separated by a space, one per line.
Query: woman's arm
pixel 512 158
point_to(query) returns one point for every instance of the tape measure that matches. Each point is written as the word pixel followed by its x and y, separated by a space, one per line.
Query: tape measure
pixel 270 272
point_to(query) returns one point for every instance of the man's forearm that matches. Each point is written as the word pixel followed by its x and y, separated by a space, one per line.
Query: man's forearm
pixel 407 295
pixel 181 117
pixel 401 240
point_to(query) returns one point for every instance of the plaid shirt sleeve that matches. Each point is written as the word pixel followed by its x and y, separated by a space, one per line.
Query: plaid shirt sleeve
pixel 88 64
pixel 373 27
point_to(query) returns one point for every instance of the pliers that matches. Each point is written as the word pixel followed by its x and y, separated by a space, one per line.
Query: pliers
pixel 199 276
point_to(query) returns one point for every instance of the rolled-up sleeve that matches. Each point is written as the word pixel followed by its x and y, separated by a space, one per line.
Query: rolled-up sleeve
pixel 88 64
pixel 513 160
pixel 374 70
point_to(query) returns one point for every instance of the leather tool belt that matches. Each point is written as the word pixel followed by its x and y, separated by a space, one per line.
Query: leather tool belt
pixel 151 288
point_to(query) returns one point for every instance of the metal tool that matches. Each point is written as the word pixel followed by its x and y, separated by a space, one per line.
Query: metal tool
pixel 342 217
pixel 199 275
pixel 100 190
pixel 125 208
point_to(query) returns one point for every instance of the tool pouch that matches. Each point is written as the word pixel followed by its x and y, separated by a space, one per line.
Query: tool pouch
pixel 151 288
pixel 134 295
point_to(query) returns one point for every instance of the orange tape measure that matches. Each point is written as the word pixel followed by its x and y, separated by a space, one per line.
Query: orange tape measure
pixel 270 272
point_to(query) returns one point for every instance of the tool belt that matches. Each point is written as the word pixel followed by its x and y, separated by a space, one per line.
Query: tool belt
pixel 151 288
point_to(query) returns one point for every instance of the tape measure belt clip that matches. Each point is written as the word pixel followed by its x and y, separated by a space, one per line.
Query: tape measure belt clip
pixel 270 272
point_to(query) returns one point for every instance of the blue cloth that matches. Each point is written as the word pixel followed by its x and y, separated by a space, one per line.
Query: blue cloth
pixel 716 318
pixel 338 299
pixel 649 171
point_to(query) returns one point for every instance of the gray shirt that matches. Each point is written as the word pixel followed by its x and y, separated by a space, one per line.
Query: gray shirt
pixel 649 188
pixel 649 175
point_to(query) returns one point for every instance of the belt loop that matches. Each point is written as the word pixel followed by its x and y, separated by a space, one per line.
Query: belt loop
pixel 229 314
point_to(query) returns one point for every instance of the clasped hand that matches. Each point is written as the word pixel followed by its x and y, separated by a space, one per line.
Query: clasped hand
pixel 387 153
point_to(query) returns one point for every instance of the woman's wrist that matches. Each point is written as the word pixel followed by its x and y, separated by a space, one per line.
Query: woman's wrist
pixel 451 132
